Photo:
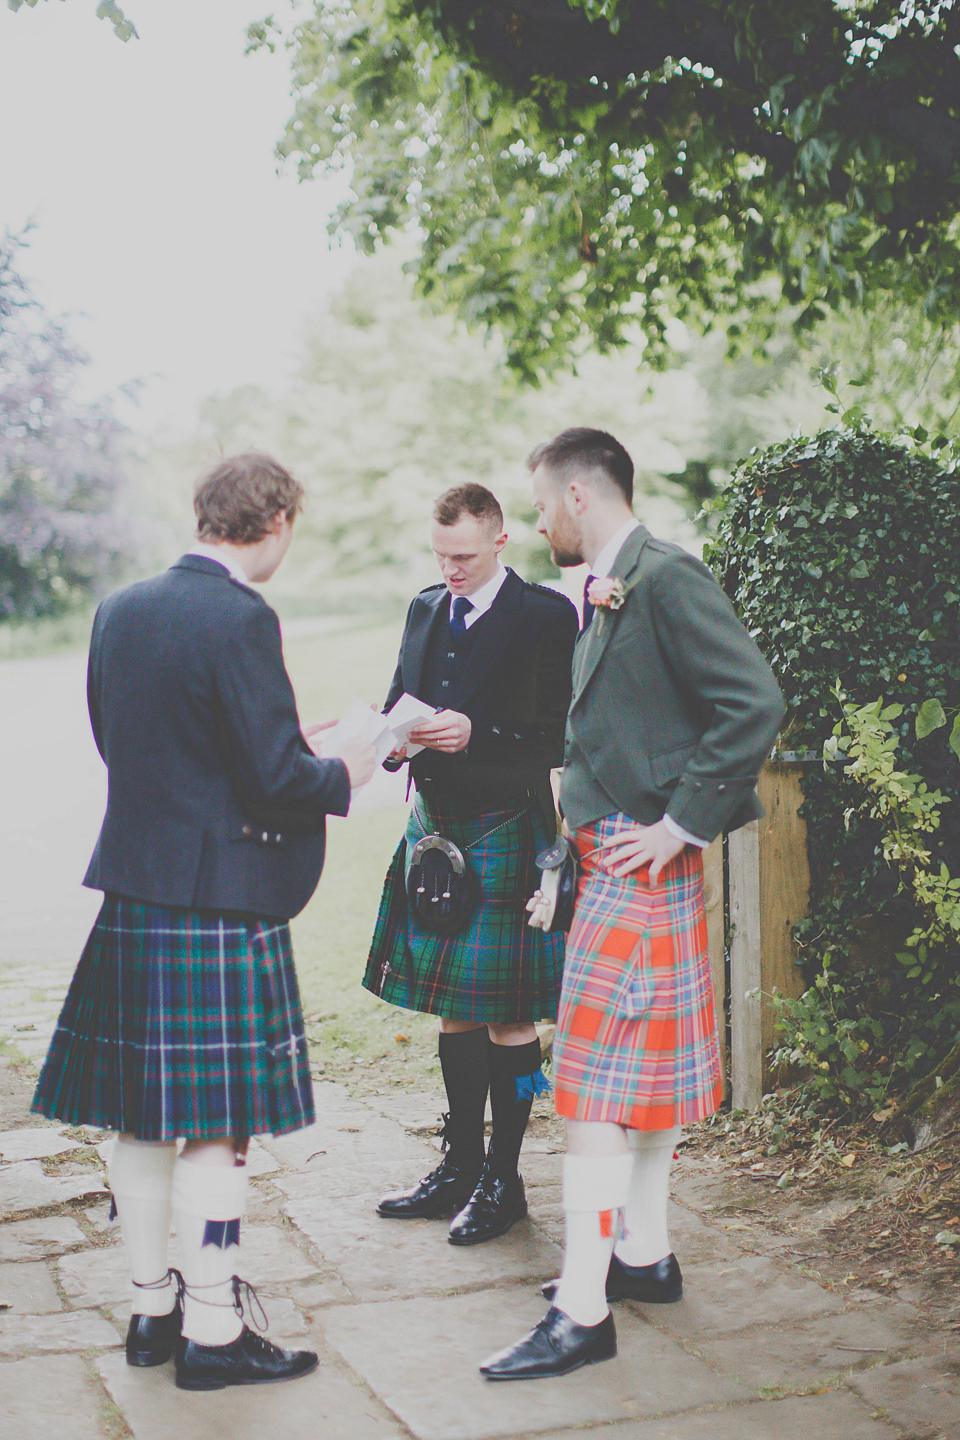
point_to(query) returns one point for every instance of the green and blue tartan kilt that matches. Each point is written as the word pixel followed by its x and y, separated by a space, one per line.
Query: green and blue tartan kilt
pixel 498 970
pixel 180 1023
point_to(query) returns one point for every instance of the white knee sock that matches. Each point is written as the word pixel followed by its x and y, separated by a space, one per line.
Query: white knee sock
pixel 202 1195
pixel 594 1190
pixel 140 1175
pixel 645 1239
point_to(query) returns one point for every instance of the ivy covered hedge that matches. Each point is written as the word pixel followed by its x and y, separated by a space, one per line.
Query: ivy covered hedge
pixel 842 555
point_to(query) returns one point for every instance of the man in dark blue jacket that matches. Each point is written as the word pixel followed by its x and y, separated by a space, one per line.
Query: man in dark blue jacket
pixel 183 1018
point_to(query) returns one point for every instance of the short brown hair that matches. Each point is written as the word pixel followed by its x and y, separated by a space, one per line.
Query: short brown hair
pixel 584 449
pixel 470 499
pixel 240 498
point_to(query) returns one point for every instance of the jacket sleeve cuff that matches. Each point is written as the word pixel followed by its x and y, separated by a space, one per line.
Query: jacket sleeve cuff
pixel 678 832
pixel 705 807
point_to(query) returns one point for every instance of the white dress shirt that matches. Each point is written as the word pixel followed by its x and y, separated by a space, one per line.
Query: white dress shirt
pixel 482 599
pixel 214 552
pixel 600 569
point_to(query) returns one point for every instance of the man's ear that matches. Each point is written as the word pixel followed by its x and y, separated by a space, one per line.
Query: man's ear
pixel 500 541
pixel 576 496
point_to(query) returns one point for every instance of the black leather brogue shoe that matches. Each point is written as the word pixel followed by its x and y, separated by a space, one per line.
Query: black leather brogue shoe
pixel 151 1339
pixel 441 1192
pixel 248 1360
pixel 493 1207
pixel 657 1284
pixel 554 1347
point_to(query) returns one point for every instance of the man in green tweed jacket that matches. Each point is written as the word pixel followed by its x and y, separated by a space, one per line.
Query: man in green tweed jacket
pixel 674 710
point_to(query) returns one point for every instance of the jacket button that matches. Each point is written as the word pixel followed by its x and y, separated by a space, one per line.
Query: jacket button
pixel 720 789
pixel 277 839
pixel 264 836
pixel 697 785
pixel 246 830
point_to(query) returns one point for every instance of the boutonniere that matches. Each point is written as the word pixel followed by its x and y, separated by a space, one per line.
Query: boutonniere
pixel 606 594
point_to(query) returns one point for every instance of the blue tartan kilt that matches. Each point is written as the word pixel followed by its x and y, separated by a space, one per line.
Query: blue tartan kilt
pixel 180 1023
pixel 497 970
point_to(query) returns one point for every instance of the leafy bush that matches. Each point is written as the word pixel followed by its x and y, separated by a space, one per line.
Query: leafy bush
pixel 840 553
pixel 61 539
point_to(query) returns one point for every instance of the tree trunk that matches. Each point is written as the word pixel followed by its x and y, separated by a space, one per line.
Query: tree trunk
pixel 932 1107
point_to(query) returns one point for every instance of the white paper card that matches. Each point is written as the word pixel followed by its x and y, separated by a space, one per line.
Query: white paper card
pixel 359 722
pixel 406 715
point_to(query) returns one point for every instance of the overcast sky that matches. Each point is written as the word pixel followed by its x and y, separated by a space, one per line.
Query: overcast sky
pixel 162 225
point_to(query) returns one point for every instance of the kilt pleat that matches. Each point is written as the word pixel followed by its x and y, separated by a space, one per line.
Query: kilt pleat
pixel 497 970
pixel 180 1023
pixel 636 1041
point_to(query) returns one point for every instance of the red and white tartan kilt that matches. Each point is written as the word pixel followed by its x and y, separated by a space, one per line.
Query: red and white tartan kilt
pixel 636 1041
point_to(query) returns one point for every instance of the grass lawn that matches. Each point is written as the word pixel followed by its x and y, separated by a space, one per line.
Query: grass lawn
pixel 353 1037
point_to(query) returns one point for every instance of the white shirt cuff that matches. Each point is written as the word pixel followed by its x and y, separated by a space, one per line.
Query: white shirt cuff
pixel 680 834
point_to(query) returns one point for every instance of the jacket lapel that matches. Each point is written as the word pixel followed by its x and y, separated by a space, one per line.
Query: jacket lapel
pixel 494 636
pixel 417 638
pixel 593 643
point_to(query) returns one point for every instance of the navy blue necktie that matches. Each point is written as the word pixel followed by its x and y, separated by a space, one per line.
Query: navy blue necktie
pixel 458 617
pixel 588 609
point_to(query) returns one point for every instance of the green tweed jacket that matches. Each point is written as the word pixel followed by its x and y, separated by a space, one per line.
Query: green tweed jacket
pixel 674 709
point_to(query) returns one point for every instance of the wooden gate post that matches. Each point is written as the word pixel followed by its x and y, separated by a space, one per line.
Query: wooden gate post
pixel 713 902
pixel 769 893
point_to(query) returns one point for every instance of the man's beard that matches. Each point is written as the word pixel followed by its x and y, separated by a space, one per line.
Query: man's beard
pixel 564 556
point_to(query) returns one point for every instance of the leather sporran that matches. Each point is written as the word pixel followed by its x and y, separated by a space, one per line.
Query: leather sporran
pixel 551 907
pixel 442 890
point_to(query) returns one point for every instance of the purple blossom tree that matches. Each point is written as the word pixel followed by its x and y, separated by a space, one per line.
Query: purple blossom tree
pixel 62 538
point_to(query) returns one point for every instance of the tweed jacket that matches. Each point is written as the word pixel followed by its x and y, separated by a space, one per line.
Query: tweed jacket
pixel 515 689
pixel 215 800
pixel 674 708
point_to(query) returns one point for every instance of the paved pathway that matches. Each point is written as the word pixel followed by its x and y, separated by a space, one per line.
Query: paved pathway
pixel 756 1350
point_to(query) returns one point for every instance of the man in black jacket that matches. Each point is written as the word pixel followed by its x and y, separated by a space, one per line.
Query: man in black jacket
pixel 492 655
pixel 183 1018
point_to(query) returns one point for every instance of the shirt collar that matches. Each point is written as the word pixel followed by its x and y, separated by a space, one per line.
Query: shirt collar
pixel 214 552
pixel 604 562
pixel 482 599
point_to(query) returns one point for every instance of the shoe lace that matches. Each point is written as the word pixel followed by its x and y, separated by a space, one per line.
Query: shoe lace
pixel 242 1289
pixel 443 1130
pixel 172 1277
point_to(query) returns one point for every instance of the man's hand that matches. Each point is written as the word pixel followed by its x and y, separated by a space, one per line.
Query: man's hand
pixel 651 845
pixel 310 730
pixel 449 731
pixel 360 758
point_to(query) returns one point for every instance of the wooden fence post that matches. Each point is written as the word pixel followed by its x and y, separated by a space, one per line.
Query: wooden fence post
pixel 713 901
pixel 769 893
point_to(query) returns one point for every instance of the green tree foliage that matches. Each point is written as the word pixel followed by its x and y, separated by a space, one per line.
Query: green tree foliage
pixel 62 538
pixel 390 406
pixel 576 166
pixel 106 10
pixel 841 555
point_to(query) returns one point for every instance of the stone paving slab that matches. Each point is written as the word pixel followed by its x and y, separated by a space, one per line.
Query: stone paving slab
pixel 34 1143
pixel 27 1289
pixel 830 1417
pixel 813 1354
pixel 47 1334
pixel 52 1398
pixel 377 1258
pixel 740 1294
pixel 421 1358
pixel 327 1405
pixel 24 1187
pixel 916 1394
pixel 39 1239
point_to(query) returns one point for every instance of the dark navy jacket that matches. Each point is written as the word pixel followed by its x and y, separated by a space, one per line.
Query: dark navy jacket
pixel 215 801
pixel 515 687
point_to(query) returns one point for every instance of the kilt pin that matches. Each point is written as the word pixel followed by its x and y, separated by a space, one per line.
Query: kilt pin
pixel 636 1042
